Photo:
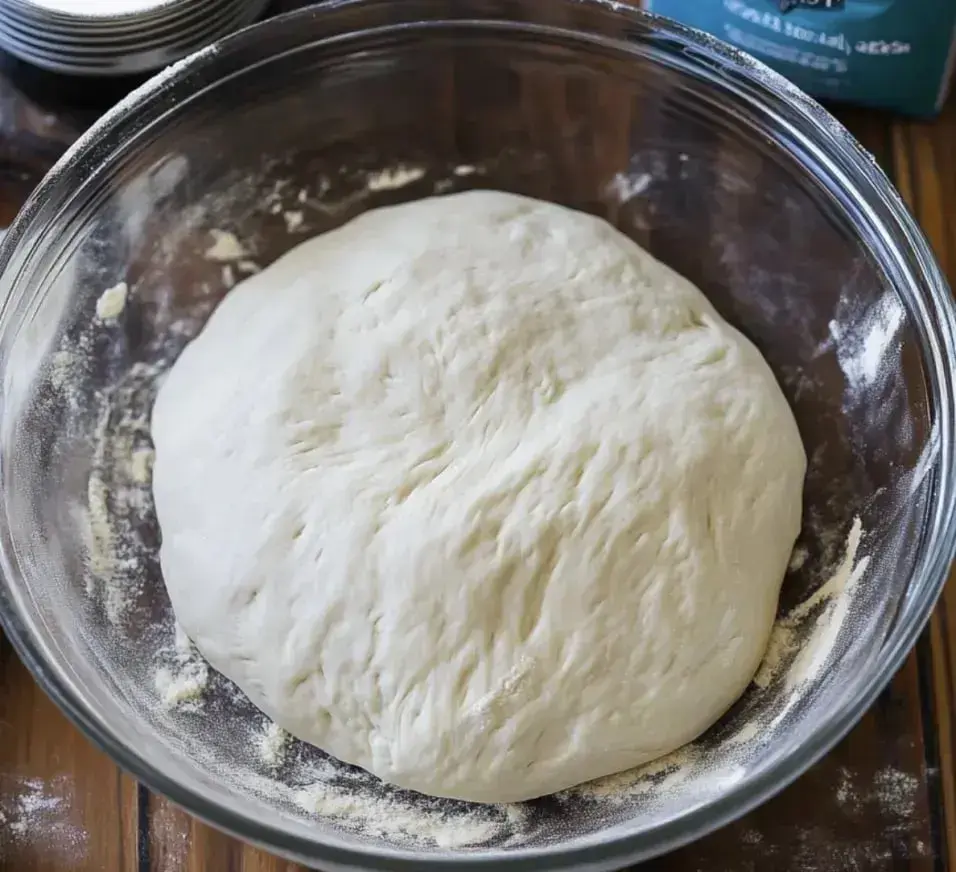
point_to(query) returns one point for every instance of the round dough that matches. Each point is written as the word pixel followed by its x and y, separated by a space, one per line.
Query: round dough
pixel 474 493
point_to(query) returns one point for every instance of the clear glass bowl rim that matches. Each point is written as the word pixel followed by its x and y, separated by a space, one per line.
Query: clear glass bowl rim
pixel 871 192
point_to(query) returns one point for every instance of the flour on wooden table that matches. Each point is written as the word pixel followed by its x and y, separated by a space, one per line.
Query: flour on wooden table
pixel 38 818
pixel 895 792
pixel 171 834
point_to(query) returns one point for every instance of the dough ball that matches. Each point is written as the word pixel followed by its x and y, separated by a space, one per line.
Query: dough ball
pixel 475 494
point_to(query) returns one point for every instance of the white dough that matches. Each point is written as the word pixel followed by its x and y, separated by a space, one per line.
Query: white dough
pixel 477 495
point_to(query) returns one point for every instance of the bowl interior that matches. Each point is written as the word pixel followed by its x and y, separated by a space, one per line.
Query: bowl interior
pixel 232 166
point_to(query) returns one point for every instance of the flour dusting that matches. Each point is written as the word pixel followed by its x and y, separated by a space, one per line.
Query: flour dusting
pixel 119 490
pixel 846 793
pixel 896 791
pixel 399 820
pixel 798 655
pixel 862 347
pixel 38 816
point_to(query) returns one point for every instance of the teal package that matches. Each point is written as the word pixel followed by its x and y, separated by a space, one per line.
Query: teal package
pixel 890 53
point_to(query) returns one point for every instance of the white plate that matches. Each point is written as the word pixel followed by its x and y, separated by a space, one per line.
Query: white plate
pixel 167 34
pixel 102 13
pixel 136 50
pixel 133 29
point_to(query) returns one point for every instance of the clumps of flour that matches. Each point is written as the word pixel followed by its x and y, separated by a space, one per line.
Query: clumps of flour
pixel 392 178
pixel 141 466
pixel 235 258
pixel 294 219
pixel 401 820
pixel 111 302
pixel 226 247
pixel 273 744
pixel 182 680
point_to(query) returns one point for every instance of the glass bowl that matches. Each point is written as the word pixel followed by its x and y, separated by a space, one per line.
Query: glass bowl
pixel 227 160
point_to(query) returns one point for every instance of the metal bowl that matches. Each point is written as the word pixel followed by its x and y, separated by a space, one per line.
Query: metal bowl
pixel 223 163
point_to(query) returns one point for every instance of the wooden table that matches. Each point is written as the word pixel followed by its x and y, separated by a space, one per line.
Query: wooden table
pixel 885 799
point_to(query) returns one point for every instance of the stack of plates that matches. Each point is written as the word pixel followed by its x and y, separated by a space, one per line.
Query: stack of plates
pixel 116 37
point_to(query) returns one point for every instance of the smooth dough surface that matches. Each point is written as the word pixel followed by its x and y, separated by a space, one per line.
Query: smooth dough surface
pixel 474 493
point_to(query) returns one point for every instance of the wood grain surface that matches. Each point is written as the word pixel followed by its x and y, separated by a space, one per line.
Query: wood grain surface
pixel 884 799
